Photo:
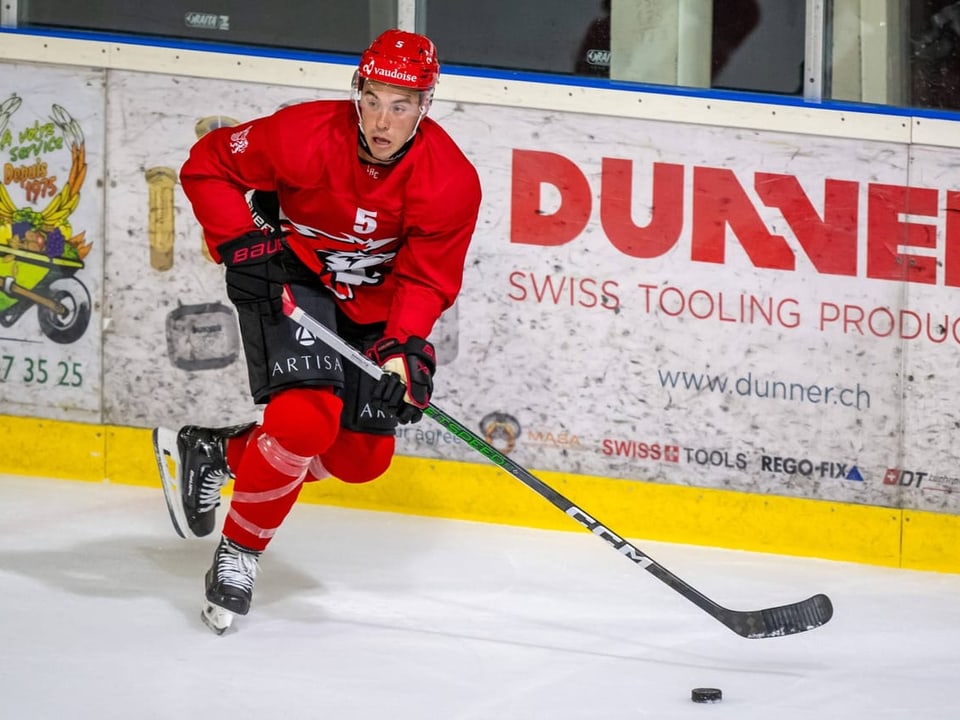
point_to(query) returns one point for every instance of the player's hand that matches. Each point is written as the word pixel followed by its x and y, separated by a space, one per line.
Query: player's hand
pixel 255 269
pixel 405 387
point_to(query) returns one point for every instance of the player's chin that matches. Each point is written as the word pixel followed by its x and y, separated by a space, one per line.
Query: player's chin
pixel 383 153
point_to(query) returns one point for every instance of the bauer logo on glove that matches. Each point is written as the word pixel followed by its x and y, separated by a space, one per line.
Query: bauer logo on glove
pixel 255 272
pixel 405 387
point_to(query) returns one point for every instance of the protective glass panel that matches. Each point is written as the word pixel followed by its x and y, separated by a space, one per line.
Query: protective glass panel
pixel 755 45
pixel 885 52
pixel 334 25
pixel 934 54
pixel 895 52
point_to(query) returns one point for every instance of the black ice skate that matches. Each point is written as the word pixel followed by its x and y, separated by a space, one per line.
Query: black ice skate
pixel 193 469
pixel 229 585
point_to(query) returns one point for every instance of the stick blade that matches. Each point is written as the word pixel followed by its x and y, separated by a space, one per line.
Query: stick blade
pixel 790 619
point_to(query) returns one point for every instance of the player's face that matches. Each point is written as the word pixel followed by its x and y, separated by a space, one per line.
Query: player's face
pixel 388 116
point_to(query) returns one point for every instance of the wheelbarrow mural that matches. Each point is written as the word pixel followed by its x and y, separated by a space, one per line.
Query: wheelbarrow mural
pixel 32 279
pixel 39 253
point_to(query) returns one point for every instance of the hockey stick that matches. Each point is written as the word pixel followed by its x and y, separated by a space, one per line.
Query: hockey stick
pixel 769 622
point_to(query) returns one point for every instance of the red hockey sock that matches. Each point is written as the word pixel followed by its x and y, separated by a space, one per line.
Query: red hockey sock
pixel 297 425
pixel 236 447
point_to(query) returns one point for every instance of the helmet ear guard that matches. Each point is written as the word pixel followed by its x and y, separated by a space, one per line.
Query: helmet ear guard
pixel 355 88
pixel 426 100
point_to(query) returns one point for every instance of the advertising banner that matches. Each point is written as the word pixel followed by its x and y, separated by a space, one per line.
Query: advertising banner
pixel 757 311
pixel 643 300
pixel 51 243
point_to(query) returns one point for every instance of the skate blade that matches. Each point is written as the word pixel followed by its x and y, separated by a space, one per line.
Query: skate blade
pixel 216 618
pixel 168 464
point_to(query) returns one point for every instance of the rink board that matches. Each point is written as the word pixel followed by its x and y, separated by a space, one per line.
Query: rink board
pixel 484 493
pixel 698 331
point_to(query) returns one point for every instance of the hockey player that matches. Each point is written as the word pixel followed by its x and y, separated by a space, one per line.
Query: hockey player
pixel 364 208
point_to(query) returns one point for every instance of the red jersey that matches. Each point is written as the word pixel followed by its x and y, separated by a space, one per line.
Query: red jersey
pixel 390 241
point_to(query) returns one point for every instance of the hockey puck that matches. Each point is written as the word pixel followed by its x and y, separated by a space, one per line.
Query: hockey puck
pixel 706 695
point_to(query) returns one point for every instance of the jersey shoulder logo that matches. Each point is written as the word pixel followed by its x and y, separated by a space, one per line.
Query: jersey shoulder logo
pixel 239 142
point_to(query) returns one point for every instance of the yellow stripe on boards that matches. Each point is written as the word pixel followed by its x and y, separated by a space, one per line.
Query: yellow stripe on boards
pixel 484 493
pixel 931 541
pixel 668 513
pixel 50 448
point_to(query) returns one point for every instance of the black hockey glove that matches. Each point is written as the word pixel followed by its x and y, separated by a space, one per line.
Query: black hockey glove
pixel 255 269
pixel 405 387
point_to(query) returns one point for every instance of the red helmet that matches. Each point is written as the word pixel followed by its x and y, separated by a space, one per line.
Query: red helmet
pixel 401 58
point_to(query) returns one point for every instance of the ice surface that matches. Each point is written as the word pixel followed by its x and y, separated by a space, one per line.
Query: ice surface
pixel 374 615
